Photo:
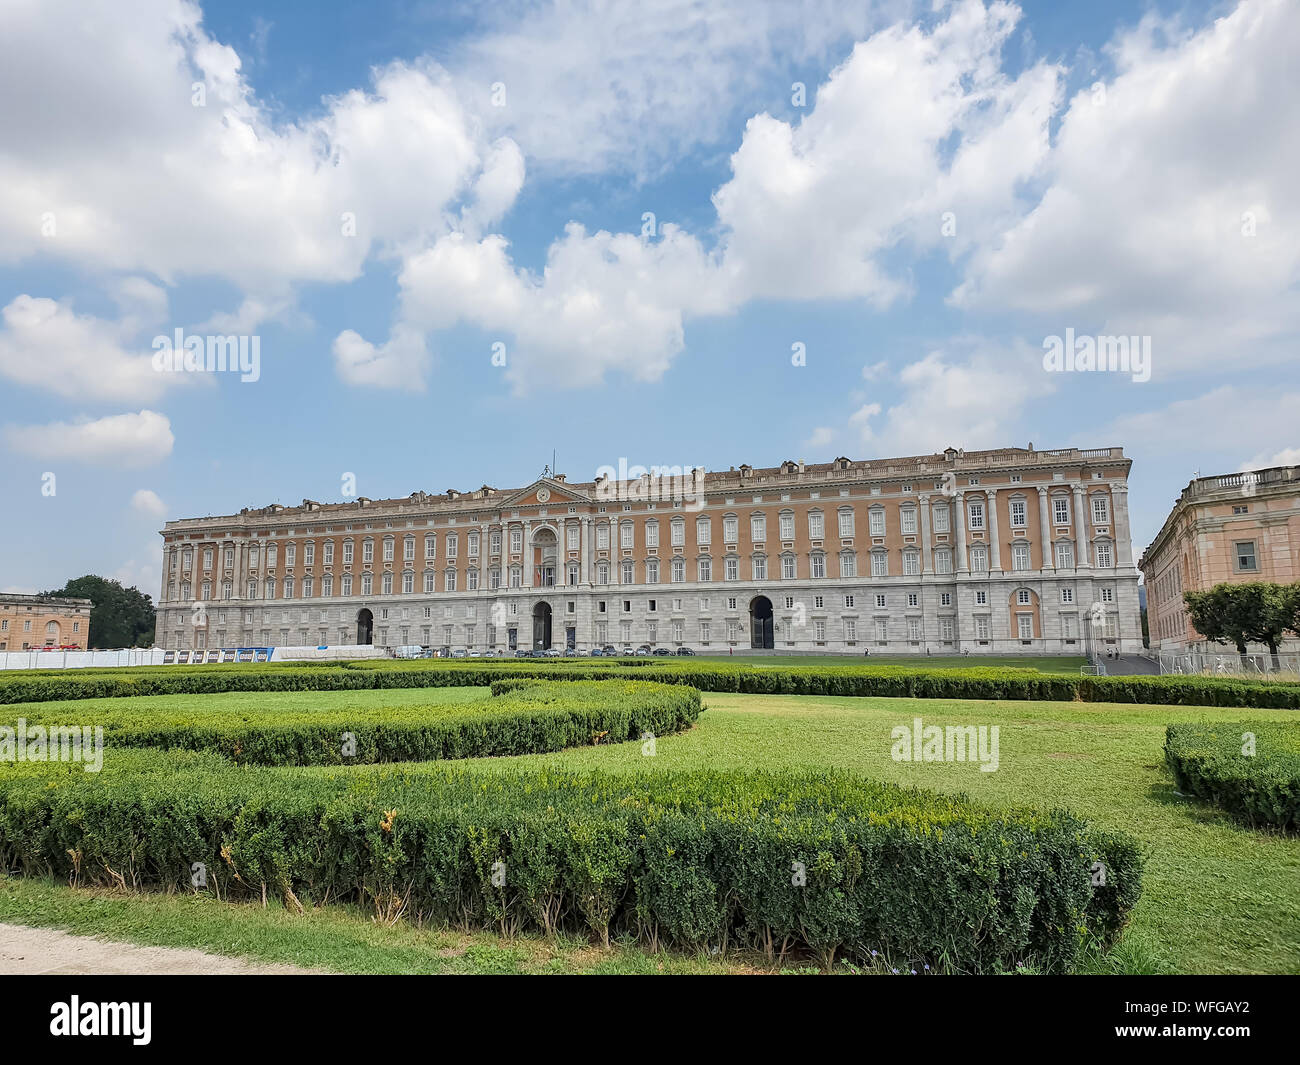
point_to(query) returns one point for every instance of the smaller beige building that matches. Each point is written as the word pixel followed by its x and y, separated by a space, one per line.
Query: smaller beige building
pixel 30 622
pixel 1234 528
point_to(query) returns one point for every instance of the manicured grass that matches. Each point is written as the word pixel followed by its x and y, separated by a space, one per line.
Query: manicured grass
pixel 1217 898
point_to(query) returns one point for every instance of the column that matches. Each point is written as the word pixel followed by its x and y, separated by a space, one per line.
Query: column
pixel 1123 537
pixel 924 505
pixel 959 529
pixel 1045 532
pixel 585 552
pixel 995 542
pixel 528 556
pixel 1082 557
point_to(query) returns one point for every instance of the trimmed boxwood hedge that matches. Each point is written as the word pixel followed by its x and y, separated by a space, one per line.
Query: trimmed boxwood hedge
pixel 530 717
pixel 691 859
pixel 889 681
pixel 1260 789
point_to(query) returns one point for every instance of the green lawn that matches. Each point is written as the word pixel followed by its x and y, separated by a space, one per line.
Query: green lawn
pixel 1218 897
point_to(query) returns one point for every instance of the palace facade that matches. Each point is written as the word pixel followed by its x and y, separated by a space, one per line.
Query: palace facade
pixel 1229 529
pixel 32 622
pixel 987 552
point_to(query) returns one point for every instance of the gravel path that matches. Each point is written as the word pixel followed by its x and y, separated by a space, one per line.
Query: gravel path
pixel 38 951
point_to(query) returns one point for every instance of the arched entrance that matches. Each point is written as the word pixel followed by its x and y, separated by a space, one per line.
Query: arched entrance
pixel 542 627
pixel 760 623
pixel 365 627
pixel 546 570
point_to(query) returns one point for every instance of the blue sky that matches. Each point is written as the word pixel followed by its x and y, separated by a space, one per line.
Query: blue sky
pixel 961 181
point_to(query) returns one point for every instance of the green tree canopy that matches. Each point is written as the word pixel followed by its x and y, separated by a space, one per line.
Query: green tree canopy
pixel 1239 614
pixel 119 617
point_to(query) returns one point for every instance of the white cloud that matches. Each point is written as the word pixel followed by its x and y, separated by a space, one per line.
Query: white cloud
pixel 401 363
pixel 1229 420
pixel 970 401
pixel 146 501
pixel 139 439
pixel 1141 227
pixel 592 87
pixel 821 438
pixel 145 576
pixel 132 176
pixel 45 344
pixel 1288 456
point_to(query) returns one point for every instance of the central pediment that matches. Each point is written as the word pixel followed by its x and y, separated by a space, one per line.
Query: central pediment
pixel 545 491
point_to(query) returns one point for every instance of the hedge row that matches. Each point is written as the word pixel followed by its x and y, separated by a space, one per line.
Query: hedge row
pixel 823 862
pixel 889 681
pixel 531 717
pixel 1250 768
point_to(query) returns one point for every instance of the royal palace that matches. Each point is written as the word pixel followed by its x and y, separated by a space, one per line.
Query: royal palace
pixel 1006 551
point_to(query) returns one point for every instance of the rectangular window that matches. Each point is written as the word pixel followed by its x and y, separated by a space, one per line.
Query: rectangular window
pixel 819 566
pixel 1019 556
pixel 1061 510
pixel 1019 514
pixel 981 628
pixel 703 531
pixel 651 534
pixel 1065 555
pixel 453 545
pixel 975 510
pixel 941 517
pixel 908 521
pixel 846 523
pixel 1100 510
pixel 850 630
pixel 848 564
pixel 627 534
pixel 757 528
pixel 730 530
pixel 786 523
pixel 816 526
pixel 879 564
pixel 1105 557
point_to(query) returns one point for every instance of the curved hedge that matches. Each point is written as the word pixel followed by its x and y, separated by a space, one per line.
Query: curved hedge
pixel 1262 788
pixel 532 717
pixel 888 681
pixel 823 862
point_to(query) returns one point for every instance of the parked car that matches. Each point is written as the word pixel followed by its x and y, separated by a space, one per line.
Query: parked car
pixel 596 652
pixel 552 652
pixel 662 651
pixel 579 652
pixel 460 652
pixel 476 654
pixel 609 649
pixel 643 650
pixel 685 651
pixel 523 654
pixel 489 654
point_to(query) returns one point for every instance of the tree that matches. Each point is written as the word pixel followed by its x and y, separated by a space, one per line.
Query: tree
pixel 1243 613
pixel 119 617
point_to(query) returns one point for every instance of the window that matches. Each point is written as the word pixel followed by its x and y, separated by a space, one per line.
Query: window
pixel 941 517
pixel 408 583
pixel 602 538
pixel 757 528
pixel 347 552
pixel 1023 597
pixel 627 535
pixel 981 628
pixel 846 521
pixel 629 574
pixel 494 542
pixel 347 584
pixel 849 601
pixel 388 551
pixel 1025 626
pixel 760 568
pixel 1067 595
pixel 946 630
pixel 975 512
pixel 943 560
pixel 848 564
pixel 703 531
pixel 652 571
pixel 879 564
pixel 705 569
pixel 448 580
pixel 880 602
pixel 850 630
pixel 652 533
pixel 945 598
pixel 517 540
pixel 1061 510
pixel 882 630
pixel 386 583
pixel 678 532
pixel 1241 509
pixel 679 570
pixel 911 562
pixel 602 573
pixel 1019 556
pixel 230 557
pixel 819 631
pixel 704 632
pixel 453 545
pixel 1108 595
pixel 730 529
pixel 1064 554
pixel 367 551
pixel 1019 514
pixel 979 558
pixel 1100 510
pixel 288 588
pixel 914 629
pixel 327 552
pixel 571 536
pixel 788 568
pixel 816 525
pixel 471 542
pixel 731 571
pixel 430 581
pixel 408 550
pixel 786 523
pixel 1105 556
pixel 818 564
pixel 327 586
pixel 907 520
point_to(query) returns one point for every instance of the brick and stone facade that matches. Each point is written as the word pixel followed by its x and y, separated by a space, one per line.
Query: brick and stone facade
pixel 1005 551
pixel 30 622
pixel 1232 528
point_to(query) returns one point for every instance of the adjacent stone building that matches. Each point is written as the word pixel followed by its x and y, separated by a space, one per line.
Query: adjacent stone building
pixel 1233 528
pixel 1004 551
pixel 29 622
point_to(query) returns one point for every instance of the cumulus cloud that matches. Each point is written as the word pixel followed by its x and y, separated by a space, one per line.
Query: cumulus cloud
pixel 1171 202
pixel 139 439
pixel 146 501
pixel 400 363
pixel 45 344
